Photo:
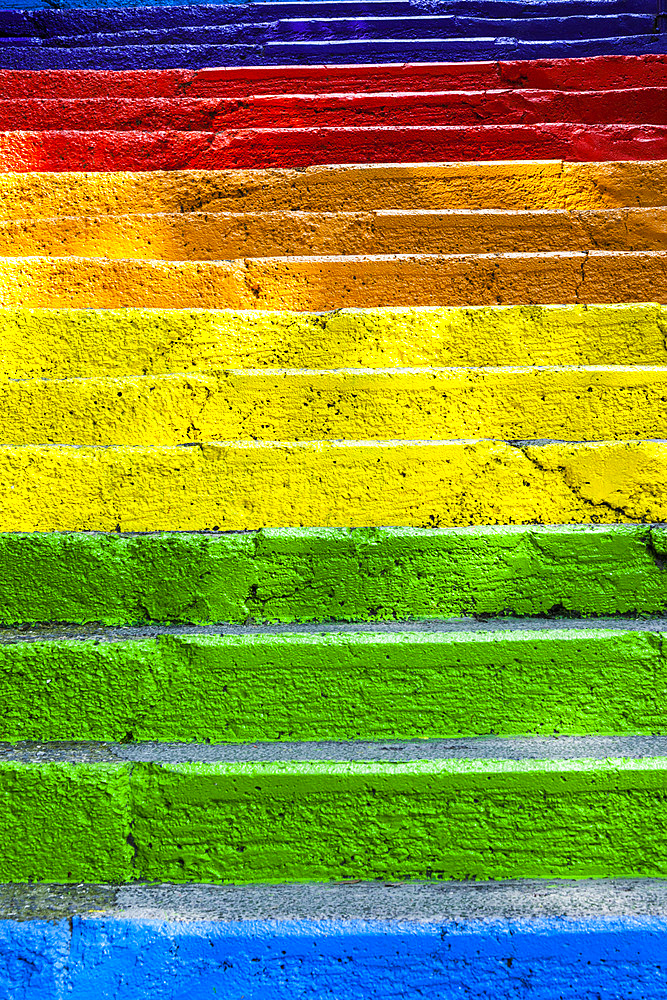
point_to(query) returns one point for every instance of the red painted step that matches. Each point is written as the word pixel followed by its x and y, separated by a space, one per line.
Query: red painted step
pixel 527 107
pixel 598 73
pixel 247 148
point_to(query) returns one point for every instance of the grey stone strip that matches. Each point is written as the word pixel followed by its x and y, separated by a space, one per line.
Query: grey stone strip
pixel 100 633
pixel 396 751
pixel 415 902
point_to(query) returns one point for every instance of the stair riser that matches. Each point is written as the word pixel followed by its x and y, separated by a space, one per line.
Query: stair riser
pixel 78 343
pixel 336 26
pixel 324 283
pixel 303 147
pixel 319 575
pixel 388 686
pixel 516 186
pixel 237 486
pixel 432 405
pixel 48 22
pixel 294 822
pixel 603 72
pixel 645 106
pixel 27 57
pixel 216 237
pixel 98 956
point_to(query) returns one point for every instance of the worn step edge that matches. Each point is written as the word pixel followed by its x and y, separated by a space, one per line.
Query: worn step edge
pixel 217 236
pixel 565 403
pixel 415 902
pixel 333 282
pixel 303 147
pixel 455 755
pixel 590 73
pixel 78 343
pixel 446 938
pixel 397 683
pixel 78 814
pixel 517 185
pixel 298 575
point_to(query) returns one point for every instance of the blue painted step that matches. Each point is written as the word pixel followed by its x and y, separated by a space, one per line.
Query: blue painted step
pixel 524 939
pixel 136 57
pixel 341 28
pixel 471 8
pixel 66 22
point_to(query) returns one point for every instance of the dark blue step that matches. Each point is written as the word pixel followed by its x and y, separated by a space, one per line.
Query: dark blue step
pixel 352 52
pixel 67 22
pixel 342 28
pixel 85 15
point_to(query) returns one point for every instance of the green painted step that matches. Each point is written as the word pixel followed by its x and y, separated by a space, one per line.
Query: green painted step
pixel 396 683
pixel 287 575
pixel 460 809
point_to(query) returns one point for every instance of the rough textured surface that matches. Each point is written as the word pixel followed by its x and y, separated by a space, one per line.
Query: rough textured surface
pixel 512 940
pixel 238 485
pixel 321 283
pixel 60 344
pixel 204 236
pixel 36 13
pixel 278 822
pixel 26 151
pixel 324 574
pixel 414 901
pixel 495 749
pixel 79 820
pixel 603 72
pixel 509 186
pixel 285 960
pixel 344 52
pixel 646 105
pixel 262 27
pixel 580 404
pixel 395 685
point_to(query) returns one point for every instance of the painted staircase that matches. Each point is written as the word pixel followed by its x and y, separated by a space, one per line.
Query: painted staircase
pixel 333 500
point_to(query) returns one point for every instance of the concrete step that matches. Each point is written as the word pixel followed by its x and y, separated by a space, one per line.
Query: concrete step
pixel 514 186
pixel 302 147
pixel 646 105
pixel 334 25
pixel 573 938
pixel 317 575
pixel 219 236
pixel 362 681
pixel 350 51
pixel 86 343
pixel 242 485
pixel 429 404
pixel 603 72
pixel 50 22
pixel 327 282
pixel 563 807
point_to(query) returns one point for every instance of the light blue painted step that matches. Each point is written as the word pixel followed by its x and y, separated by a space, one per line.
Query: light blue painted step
pixel 533 940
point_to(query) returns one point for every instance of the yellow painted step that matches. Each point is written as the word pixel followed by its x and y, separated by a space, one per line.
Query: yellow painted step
pixel 509 185
pixel 322 283
pixel 238 486
pixel 572 404
pixel 223 236
pixel 62 343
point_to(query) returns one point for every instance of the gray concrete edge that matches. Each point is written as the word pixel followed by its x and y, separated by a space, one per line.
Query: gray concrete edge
pixel 490 748
pixel 435 627
pixel 411 902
